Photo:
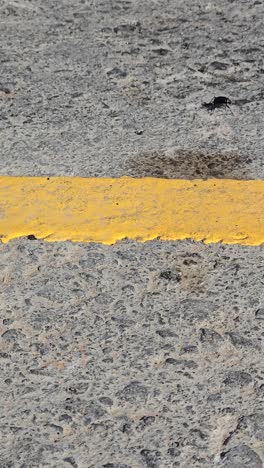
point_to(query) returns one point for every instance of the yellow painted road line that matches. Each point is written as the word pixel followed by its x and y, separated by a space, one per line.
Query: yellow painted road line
pixel 108 210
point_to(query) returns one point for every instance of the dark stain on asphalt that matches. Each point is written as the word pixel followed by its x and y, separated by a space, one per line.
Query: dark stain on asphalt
pixel 31 237
pixel 185 164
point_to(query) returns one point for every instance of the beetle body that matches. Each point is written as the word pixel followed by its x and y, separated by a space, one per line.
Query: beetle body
pixel 217 103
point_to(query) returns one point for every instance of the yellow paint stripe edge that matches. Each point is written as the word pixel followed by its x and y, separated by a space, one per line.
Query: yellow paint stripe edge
pixel 106 210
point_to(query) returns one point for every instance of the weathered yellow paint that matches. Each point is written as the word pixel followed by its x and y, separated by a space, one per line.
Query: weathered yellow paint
pixel 108 210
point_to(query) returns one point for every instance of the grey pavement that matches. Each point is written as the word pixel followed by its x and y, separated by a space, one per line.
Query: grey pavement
pixel 133 355
pixel 136 355
pixel 114 87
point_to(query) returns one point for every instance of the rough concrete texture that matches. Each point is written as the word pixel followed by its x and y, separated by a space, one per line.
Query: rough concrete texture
pixel 137 355
pixel 114 87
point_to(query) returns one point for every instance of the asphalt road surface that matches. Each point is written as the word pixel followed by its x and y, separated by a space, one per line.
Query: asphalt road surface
pixel 139 354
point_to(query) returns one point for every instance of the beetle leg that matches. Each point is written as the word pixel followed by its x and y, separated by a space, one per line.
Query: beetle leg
pixel 227 105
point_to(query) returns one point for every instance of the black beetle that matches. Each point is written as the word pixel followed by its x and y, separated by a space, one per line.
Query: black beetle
pixel 217 103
